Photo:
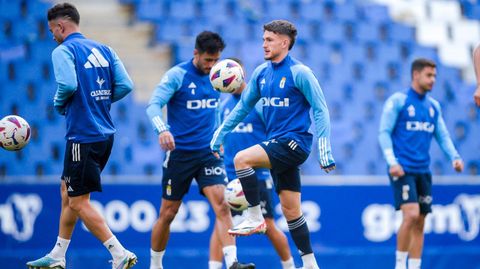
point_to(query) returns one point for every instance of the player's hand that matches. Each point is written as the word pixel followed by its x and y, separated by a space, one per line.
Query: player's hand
pixel 458 165
pixel 166 141
pixel 60 110
pixel 476 96
pixel 329 167
pixel 396 171
pixel 218 154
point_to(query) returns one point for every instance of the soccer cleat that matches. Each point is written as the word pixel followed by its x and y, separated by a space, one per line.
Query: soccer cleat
pixel 237 265
pixel 46 262
pixel 248 227
pixel 128 261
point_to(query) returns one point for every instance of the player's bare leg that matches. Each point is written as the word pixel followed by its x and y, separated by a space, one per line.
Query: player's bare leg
pixel 411 216
pixel 161 232
pixel 245 160
pixel 223 221
pixel 416 244
pixel 215 254
pixel 280 243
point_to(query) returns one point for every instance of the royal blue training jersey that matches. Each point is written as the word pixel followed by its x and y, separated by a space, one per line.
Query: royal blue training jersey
pixel 90 77
pixel 286 91
pixel 191 106
pixel 249 132
pixel 409 121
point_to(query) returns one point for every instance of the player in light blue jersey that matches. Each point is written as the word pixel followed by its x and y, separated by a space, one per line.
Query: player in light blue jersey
pixel 249 132
pixel 90 77
pixel 191 106
pixel 409 122
pixel 286 90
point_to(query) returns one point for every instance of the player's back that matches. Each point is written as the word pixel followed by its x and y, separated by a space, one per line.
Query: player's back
pixel 87 113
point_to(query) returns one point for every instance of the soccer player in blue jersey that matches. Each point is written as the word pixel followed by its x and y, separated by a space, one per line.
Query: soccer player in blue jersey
pixel 286 90
pixel 409 122
pixel 90 77
pixel 249 132
pixel 191 106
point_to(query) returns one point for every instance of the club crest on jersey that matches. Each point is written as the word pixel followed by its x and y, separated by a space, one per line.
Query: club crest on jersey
pixel 192 86
pixel 411 111
pixel 282 82
pixel 432 112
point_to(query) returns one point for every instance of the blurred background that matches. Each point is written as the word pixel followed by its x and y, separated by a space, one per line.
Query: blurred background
pixel 359 50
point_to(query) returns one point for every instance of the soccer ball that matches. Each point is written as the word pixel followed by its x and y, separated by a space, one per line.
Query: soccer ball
pixel 234 196
pixel 14 132
pixel 226 76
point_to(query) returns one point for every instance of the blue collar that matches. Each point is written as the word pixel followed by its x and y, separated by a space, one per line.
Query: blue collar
pixel 74 35
pixel 413 93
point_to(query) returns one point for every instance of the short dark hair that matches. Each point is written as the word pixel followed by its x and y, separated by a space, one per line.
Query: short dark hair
pixel 209 42
pixel 420 63
pixel 64 10
pixel 282 27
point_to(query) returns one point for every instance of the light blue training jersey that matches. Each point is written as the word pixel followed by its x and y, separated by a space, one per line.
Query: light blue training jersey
pixel 409 122
pixel 286 91
pixel 191 107
pixel 90 77
pixel 249 132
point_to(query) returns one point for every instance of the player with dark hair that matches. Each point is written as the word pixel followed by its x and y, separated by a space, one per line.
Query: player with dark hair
pixel 191 106
pixel 286 90
pixel 248 133
pixel 409 122
pixel 90 77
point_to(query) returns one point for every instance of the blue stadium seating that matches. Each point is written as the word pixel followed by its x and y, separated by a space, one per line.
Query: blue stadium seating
pixel 354 48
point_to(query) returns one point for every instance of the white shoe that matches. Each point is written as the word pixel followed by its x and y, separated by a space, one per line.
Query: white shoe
pixel 127 262
pixel 249 227
pixel 47 262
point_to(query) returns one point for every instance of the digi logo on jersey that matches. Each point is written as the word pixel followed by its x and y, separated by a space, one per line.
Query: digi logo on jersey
pixel 462 217
pixel 243 128
pixel 203 103
pixel 275 101
pixel 419 126
pixel 18 215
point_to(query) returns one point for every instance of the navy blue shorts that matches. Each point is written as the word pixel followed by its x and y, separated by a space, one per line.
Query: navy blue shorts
pixel 181 167
pixel 285 157
pixel 413 188
pixel 83 164
pixel 266 199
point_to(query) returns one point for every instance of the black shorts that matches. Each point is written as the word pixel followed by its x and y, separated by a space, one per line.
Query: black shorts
pixel 413 188
pixel 83 164
pixel 266 199
pixel 285 157
pixel 181 167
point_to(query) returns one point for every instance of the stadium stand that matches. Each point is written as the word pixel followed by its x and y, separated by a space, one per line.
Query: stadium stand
pixel 358 50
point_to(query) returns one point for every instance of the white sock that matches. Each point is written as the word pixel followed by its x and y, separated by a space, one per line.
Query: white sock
pixel 401 259
pixel 309 261
pixel 116 249
pixel 156 259
pixel 230 254
pixel 214 265
pixel 288 264
pixel 414 263
pixel 255 213
pixel 60 248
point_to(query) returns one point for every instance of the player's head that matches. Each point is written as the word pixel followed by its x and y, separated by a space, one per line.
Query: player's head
pixel 423 74
pixel 244 84
pixel 63 19
pixel 278 38
pixel 208 48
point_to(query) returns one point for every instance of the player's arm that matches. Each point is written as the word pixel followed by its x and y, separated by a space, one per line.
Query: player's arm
pixel 443 139
pixel 65 75
pixel 476 65
pixel 167 87
pixel 250 97
pixel 388 120
pixel 122 84
pixel 308 84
